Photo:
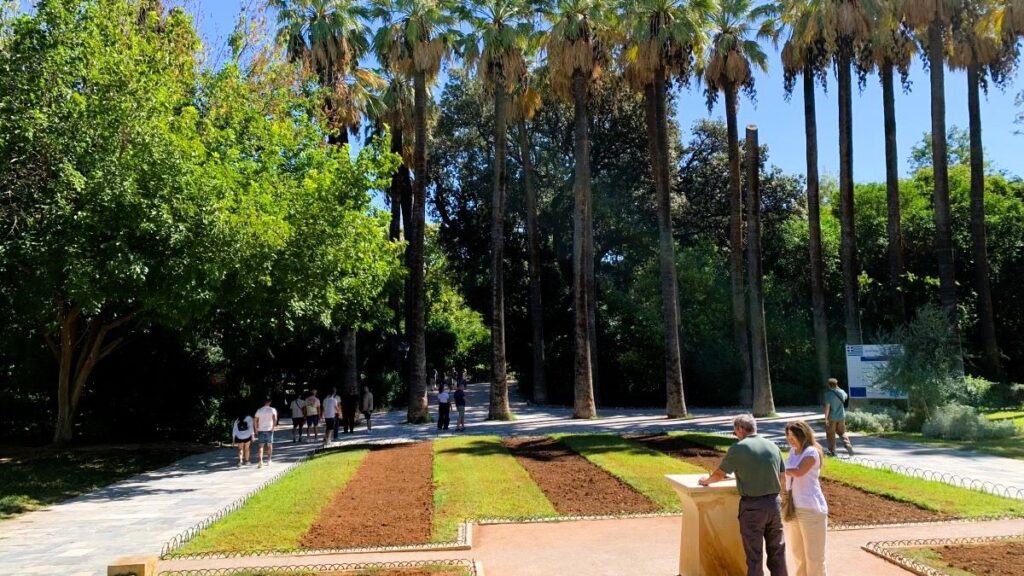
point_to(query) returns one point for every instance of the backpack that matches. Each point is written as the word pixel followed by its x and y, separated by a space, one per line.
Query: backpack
pixel 243 424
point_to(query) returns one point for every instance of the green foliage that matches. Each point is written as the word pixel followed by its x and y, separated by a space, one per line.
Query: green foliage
pixel 875 419
pixel 456 334
pixel 958 422
pixel 958 149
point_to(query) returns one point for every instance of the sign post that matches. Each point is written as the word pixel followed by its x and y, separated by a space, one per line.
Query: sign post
pixel 864 364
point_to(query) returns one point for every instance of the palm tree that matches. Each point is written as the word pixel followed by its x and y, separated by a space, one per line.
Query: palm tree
pixel 664 39
pixel 732 51
pixel 976 46
pixel 764 401
pixel 497 45
pixel 577 50
pixel 891 50
pixel 414 38
pixel 934 15
pixel 329 37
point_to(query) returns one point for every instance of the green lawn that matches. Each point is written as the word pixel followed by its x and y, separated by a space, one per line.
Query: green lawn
pixel 476 477
pixel 640 467
pixel 1005 447
pixel 930 495
pixel 293 502
pixel 45 476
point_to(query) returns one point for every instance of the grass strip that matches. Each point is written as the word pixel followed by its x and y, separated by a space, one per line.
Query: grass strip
pixel 292 503
pixel 640 467
pixel 929 557
pixel 36 478
pixel 928 494
pixel 715 441
pixel 477 477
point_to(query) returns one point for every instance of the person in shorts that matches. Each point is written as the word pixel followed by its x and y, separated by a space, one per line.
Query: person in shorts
pixel 266 420
pixel 460 405
pixel 330 409
pixel 313 409
pixel 835 417
pixel 241 436
pixel 298 408
pixel 366 406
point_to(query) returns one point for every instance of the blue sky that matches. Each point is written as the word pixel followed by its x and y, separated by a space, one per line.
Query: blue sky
pixel 781 122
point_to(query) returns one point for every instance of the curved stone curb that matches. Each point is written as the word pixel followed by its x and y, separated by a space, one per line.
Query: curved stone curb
pixel 889 550
pixel 475 568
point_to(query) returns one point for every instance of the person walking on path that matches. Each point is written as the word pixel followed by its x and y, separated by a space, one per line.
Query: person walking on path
pixel 760 475
pixel 366 406
pixel 266 420
pixel 443 409
pixel 313 410
pixel 298 408
pixel 349 404
pixel 241 436
pixel 434 379
pixel 806 532
pixel 460 405
pixel 835 417
pixel 330 409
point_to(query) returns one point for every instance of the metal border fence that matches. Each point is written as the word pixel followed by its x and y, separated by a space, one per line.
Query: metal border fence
pixel 889 550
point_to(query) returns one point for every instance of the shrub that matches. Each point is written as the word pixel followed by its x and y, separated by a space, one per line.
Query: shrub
pixel 875 419
pixel 958 422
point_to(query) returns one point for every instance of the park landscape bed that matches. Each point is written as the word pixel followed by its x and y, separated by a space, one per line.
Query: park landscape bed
pixel 1002 556
pixel 421 495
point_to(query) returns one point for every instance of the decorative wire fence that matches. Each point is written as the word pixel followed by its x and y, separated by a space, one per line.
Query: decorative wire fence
pixel 467 567
pixel 890 550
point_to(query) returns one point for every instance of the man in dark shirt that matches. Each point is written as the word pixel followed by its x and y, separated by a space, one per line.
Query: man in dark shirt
pixel 760 475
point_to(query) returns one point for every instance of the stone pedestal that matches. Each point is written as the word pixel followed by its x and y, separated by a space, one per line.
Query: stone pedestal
pixel 710 543
pixel 133 566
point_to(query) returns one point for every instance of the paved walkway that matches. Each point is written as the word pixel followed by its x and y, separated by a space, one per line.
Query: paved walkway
pixel 636 546
pixel 137 516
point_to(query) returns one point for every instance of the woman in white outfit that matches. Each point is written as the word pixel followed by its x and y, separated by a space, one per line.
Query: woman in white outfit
pixel 805 534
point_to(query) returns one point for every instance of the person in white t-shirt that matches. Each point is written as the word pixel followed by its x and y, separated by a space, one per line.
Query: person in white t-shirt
pixel 805 534
pixel 331 404
pixel 266 420
pixel 298 408
pixel 313 411
pixel 241 436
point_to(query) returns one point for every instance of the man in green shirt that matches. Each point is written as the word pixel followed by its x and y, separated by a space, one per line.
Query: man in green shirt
pixel 760 475
pixel 835 417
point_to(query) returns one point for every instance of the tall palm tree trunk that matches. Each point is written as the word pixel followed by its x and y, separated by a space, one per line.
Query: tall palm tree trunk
pixel 583 405
pixel 540 388
pixel 848 234
pixel 739 307
pixel 986 314
pixel 892 194
pixel 814 232
pixel 940 162
pixel 657 128
pixel 499 409
pixel 417 411
pixel 395 234
pixel 595 361
pixel 350 376
pixel 764 402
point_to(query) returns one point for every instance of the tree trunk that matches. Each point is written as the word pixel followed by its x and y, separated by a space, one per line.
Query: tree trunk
pixel 892 193
pixel 395 234
pixel 77 355
pixel 350 360
pixel 403 179
pixel 657 128
pixel 583 405
pixel 540 388
pixel 851 269
pixel 739 305
pixel 417 411
pixel 764 402
pixel 986 315
pixel 940 163
pixel 499 409
pixel 821 347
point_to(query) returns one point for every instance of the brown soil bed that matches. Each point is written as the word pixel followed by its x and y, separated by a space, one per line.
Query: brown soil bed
pixel 575 486
pixel 846 504
pixel 388 502
pixel 995 559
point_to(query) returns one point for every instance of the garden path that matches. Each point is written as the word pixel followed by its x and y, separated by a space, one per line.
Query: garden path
pixel 137 516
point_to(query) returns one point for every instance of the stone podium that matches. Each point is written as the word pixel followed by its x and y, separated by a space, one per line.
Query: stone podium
pixel 710 543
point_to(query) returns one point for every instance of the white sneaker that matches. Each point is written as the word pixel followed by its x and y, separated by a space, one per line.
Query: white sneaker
pixel 261 464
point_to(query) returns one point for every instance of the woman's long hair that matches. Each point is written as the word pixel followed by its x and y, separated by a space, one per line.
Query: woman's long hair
pixel 805 437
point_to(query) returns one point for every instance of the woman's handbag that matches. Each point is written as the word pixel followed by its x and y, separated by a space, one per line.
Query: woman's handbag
pixel 789 507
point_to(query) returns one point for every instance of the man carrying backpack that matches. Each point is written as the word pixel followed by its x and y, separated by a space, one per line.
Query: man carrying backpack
pixel 835 417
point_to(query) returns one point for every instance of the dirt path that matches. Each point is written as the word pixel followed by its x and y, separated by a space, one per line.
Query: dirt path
pixel 572 484
pixel 846 504
pixel 389 501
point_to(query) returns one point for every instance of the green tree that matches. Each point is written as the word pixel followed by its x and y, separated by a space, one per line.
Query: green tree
pixel 731 52
pixel 497 44
pixel 664 38
pixel 414 38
